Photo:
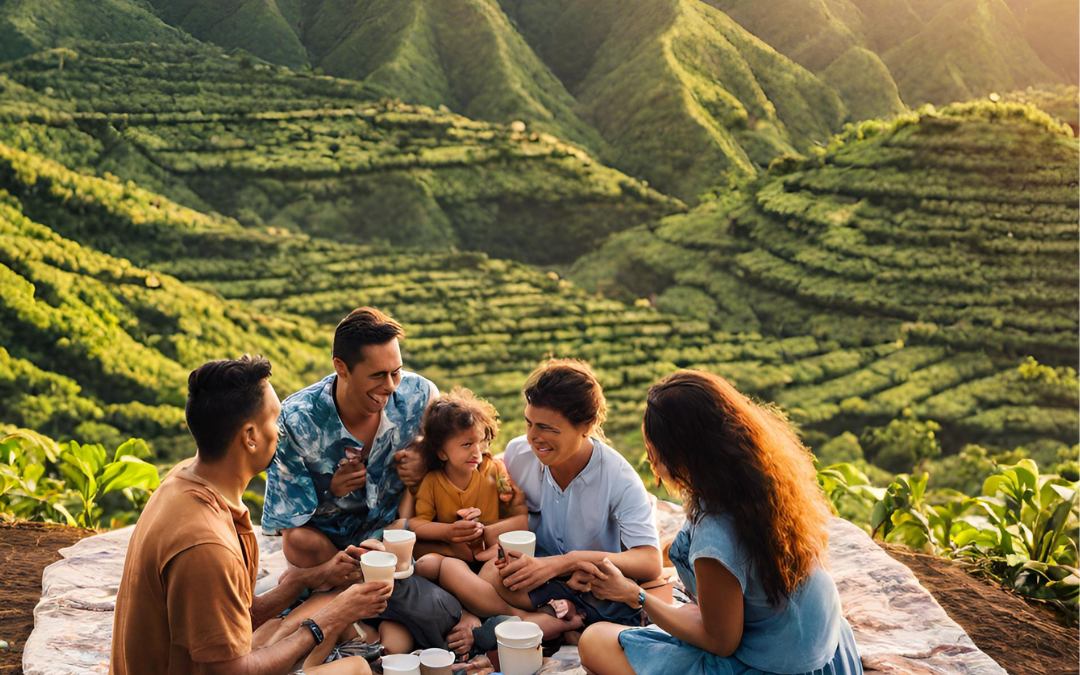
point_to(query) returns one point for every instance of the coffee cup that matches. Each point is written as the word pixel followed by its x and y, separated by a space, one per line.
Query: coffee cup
pixel 436 662
pixel 400 543
pixel 401 664
pixel 378 566
pixel 522 541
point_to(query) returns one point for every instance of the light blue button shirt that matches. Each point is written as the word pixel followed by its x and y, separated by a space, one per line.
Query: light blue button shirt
pixel 807 625
pixel 604 508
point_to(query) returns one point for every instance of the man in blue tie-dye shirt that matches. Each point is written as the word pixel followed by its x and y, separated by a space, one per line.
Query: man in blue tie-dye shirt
pixel 335 478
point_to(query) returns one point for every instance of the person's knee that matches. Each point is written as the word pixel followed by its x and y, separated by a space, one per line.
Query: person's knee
pixel 430 567
pixel 306 547
pixel 597 643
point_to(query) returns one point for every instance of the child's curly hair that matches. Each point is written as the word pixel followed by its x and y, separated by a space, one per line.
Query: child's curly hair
pixel 450 414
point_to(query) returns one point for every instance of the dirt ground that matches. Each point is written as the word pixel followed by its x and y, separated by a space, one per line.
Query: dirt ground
pixel 1024 638
pixel 25 550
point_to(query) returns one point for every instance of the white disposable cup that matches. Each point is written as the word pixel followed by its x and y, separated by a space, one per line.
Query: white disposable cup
pixel 520 652
pixel 522 541
pixel 401 664
pixel 400 543
pixel 378 566
pixel 436 662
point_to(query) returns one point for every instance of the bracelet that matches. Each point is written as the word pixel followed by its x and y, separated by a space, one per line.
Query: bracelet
pixel 641 599
pixel 315 630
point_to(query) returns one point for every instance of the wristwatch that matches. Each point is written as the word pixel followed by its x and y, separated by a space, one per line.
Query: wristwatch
pixel 641 599
pixel 315 630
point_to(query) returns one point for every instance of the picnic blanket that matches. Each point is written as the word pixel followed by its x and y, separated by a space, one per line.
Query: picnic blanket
pixel 898 626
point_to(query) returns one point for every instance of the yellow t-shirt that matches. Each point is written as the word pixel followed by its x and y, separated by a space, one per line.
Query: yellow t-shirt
pixel 439 500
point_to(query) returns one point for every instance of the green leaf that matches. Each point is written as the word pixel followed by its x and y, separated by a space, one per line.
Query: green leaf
pixel 133 447
pixel 129 472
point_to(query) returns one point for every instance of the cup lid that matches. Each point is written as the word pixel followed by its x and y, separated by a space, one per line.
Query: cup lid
pixel 398 535
pixel 517 537
pixel 400 663
pixel 519 633
pixel 436 658
pixel 379 559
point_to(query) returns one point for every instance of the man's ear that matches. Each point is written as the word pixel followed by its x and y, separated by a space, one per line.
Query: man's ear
pixel 340 368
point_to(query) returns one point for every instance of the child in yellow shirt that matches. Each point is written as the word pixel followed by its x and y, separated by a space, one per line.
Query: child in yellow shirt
pixel 466 500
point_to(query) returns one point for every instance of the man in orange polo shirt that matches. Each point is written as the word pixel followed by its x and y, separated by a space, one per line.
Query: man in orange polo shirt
pixel 186 602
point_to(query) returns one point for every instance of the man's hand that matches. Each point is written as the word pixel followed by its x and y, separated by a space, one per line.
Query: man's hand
pixel 464 531
pixel 410 465
pixel 351 475
pixel 341 570
pixel 365 546
pixel 460 639
pixel 609 583
pixel 355 603
pixel 526 573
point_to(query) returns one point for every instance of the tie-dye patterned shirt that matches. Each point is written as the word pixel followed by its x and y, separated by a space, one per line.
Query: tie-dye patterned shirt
pixel 312 442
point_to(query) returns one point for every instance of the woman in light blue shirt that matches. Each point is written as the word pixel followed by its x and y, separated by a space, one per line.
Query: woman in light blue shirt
pixel 751 553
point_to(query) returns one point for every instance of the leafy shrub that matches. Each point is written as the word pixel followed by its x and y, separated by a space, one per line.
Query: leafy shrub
pixel 43 480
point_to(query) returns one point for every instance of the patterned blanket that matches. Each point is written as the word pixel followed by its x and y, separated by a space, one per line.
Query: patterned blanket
pixel 898 625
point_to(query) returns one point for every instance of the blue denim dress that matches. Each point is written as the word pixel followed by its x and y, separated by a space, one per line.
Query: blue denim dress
pixel 804 634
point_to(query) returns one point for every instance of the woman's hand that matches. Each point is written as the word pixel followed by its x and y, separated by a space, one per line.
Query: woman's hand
pixel 609 583
pixel 526 573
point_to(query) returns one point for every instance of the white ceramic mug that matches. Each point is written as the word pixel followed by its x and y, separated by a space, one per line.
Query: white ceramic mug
pixel 522 541
pixel 436 662
pixel 401 664
pixel 378 566
pixel 400 543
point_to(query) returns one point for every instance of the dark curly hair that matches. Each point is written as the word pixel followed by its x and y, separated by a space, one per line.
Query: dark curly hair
pixel 451 414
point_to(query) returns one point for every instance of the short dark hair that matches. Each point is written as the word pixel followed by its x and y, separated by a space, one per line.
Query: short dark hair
pixel 570 388
pixel 364 326
pixel 222 397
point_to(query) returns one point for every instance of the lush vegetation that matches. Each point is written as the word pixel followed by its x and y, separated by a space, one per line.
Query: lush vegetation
pixel 74 484
pixel 1019 527
pixel 304 154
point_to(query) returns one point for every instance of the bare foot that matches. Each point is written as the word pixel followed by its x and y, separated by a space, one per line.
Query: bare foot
pixel 554 627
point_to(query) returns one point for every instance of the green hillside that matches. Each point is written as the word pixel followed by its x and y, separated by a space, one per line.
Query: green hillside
pixel 266 28
pixel 969 48
pixel 92 339
pixel 934 52
pixel 277 149
pixel 29 26
pixel 953 234
pixel 827 39
pixel 463 54
pixel 94 345
pixel 683 95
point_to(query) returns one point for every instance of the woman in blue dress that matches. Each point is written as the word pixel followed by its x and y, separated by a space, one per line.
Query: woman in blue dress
pixel 751 553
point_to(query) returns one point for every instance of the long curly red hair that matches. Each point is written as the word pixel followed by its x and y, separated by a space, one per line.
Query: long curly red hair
pixel 727 454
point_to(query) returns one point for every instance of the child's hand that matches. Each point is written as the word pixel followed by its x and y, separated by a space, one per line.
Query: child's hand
pixel 469 513
pixel 464 531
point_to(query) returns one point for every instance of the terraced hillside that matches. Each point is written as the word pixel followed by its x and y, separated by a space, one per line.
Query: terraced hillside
pixel 953 234
pixel 307 154
pixel 94 339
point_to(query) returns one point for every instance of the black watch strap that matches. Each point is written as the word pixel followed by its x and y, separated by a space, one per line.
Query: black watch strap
pixel 315 630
